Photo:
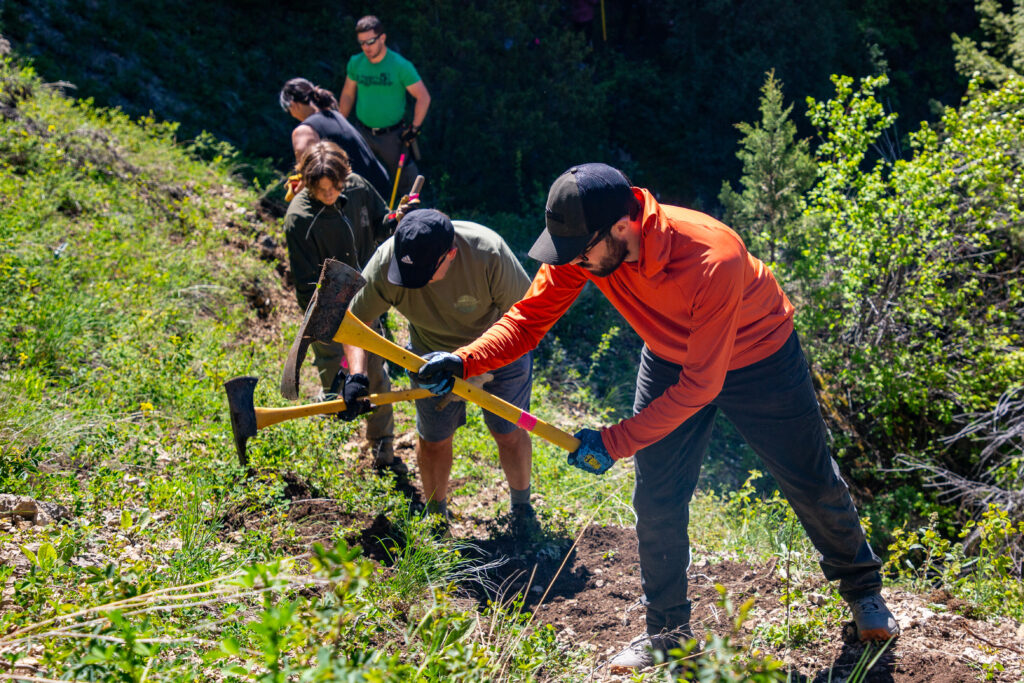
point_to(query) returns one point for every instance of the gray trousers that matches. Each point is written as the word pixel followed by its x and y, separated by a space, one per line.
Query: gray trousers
pixel 772 404
pixel 388 148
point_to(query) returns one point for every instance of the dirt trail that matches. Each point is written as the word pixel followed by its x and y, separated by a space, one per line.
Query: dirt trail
pixel 594 600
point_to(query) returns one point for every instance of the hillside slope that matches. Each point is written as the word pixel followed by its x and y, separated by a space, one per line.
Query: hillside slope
pixel 136 279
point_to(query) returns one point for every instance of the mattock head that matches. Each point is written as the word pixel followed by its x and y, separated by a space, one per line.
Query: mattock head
pixel 336 288
pixel 242 406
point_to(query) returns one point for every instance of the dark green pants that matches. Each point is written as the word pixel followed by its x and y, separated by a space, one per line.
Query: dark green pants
pixel 772 404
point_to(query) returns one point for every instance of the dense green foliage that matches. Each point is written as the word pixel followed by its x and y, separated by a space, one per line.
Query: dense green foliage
pixel 999 55
pixel 518 94
pixel 912 275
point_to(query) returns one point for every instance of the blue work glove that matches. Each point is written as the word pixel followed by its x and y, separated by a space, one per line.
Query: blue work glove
pixel 438 374
pixel 591 456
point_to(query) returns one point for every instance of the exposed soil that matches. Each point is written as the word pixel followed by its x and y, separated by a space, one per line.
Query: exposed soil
pixel 595 600
pixel 590 592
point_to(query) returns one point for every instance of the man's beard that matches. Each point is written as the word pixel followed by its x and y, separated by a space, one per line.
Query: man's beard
pixel 615 254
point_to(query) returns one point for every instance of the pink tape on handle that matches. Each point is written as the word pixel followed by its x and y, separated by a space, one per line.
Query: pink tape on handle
pixel 526 421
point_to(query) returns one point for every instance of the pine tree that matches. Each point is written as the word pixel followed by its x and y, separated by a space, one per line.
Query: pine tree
pixel 1000 55
pixel 777 169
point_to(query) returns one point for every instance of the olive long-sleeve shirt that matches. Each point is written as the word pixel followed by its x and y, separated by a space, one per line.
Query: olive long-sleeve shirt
pixel 348 230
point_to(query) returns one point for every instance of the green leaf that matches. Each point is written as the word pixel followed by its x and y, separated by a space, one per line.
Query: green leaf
pixel 47 557
pixel 126 519
pixel 30 555
pixel 231 646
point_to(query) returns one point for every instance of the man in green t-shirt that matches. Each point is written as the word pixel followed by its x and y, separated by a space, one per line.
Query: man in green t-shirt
pixel 452 280
pixel 376 81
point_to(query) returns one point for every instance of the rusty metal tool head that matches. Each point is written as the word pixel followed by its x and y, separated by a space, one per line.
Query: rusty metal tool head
pixel 337 286
pixel 242 407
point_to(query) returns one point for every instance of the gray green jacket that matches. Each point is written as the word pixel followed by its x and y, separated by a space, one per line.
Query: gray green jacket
pixel 348 231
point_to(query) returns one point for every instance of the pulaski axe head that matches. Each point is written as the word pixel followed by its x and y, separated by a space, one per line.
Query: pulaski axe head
pixel 243 412
pixel 337 286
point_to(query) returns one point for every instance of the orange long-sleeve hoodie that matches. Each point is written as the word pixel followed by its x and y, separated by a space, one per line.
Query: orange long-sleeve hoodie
pixel 695 296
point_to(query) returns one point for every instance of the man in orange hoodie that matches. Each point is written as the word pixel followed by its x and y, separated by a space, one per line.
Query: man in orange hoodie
pixel 718 334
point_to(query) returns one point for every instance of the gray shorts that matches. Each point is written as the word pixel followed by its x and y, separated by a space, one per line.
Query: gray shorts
pixel 513 382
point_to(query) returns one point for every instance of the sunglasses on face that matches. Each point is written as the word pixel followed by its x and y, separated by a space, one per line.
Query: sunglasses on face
pixel 593 243
pixel 371 41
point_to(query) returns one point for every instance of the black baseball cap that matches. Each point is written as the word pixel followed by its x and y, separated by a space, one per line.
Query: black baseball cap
pixel 422 238
pixel 584 200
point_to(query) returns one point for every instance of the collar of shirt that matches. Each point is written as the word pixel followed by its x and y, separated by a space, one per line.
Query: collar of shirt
pixel 655 237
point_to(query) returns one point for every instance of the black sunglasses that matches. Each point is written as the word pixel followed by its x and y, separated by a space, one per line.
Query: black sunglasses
pixel 371 41
pixel 601 234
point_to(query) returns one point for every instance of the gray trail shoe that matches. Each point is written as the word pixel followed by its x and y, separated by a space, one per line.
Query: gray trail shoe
pixel 648 650
pixel 873 618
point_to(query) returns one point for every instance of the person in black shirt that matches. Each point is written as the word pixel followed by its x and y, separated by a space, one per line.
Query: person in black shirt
pixel 317 109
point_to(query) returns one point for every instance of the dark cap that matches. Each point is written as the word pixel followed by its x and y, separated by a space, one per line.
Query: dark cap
pixel 584 200
pixel 421 239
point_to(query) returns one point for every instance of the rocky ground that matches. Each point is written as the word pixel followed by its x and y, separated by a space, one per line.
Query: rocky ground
pixel 588 588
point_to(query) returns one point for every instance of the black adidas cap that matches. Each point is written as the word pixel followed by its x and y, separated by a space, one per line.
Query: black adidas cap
pixel 422 238
pixel 584 200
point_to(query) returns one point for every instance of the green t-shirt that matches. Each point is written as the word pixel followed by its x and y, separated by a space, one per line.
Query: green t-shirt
pixel 380 92
pixel 483 282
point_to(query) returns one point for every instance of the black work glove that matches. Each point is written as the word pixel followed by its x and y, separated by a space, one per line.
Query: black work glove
pixel 356 386
pixel 406 205
pixel 439 372
pixel 409 134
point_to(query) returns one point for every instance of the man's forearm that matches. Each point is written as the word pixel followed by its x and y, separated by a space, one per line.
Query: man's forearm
pixel 356 358
pixel 345 103
pixel 419 112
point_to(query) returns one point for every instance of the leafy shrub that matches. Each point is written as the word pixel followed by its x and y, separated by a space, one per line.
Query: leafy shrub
pixel 908 280
pixel 990 579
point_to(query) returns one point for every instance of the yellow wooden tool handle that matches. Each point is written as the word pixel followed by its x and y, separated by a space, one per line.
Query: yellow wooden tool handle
pixel 354 332
pixel 271 416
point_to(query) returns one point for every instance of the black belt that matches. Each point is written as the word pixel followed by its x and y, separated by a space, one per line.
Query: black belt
pixel 382 131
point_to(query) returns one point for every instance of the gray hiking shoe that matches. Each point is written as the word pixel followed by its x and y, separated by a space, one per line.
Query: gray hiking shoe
pixel 648 650
pixel 873 619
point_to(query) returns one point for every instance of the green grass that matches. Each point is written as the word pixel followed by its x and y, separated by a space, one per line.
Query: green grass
pixel 124 261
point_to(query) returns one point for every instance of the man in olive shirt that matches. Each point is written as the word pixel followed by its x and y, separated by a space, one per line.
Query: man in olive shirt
pixel 452 280
pixel 376 81
pixel 345 222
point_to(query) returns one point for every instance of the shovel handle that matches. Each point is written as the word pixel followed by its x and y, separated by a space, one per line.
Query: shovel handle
pixel 270 416
pixel 356 333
